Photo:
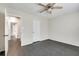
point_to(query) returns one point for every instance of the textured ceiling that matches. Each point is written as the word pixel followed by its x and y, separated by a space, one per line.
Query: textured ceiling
pixel 33 8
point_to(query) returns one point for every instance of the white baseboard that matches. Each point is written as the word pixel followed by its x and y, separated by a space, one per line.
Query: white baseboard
pixel 32 42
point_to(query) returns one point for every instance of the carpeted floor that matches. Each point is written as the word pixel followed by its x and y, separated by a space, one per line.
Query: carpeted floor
pixel 50 48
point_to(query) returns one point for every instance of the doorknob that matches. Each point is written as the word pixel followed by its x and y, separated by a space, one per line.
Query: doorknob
pixel 5 35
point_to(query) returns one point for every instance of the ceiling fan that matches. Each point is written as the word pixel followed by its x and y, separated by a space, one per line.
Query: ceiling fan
pixel 49 7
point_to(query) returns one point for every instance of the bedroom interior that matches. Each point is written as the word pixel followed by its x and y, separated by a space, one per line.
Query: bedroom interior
pixel 44 31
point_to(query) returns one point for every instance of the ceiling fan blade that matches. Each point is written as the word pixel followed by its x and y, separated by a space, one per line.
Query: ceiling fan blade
pixel 53 4
pixel 41 4
pixel 48 4
pixel 57 7
pixel 43 10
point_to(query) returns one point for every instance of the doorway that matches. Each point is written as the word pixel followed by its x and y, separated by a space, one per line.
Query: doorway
pixel 12 31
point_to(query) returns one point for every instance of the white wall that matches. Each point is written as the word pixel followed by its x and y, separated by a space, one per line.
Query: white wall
pixel 65 28
pixel 27 25
pixel 44 29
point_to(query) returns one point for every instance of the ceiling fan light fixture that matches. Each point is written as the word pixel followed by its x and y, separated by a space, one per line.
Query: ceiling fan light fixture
pixel 49 7
pixel 49 10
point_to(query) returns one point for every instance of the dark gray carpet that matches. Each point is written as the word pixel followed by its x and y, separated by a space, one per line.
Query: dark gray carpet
pixel 50 48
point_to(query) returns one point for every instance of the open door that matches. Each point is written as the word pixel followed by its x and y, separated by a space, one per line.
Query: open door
pixel 14 35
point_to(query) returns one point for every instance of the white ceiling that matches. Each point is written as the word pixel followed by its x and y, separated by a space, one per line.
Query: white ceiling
pixel 33 8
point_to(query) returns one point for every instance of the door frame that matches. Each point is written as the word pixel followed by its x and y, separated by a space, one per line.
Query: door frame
pixel 6 40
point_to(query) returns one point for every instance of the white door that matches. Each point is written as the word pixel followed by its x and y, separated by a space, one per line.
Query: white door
pixel 6 34
pixel 12 27
pixel 36 30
